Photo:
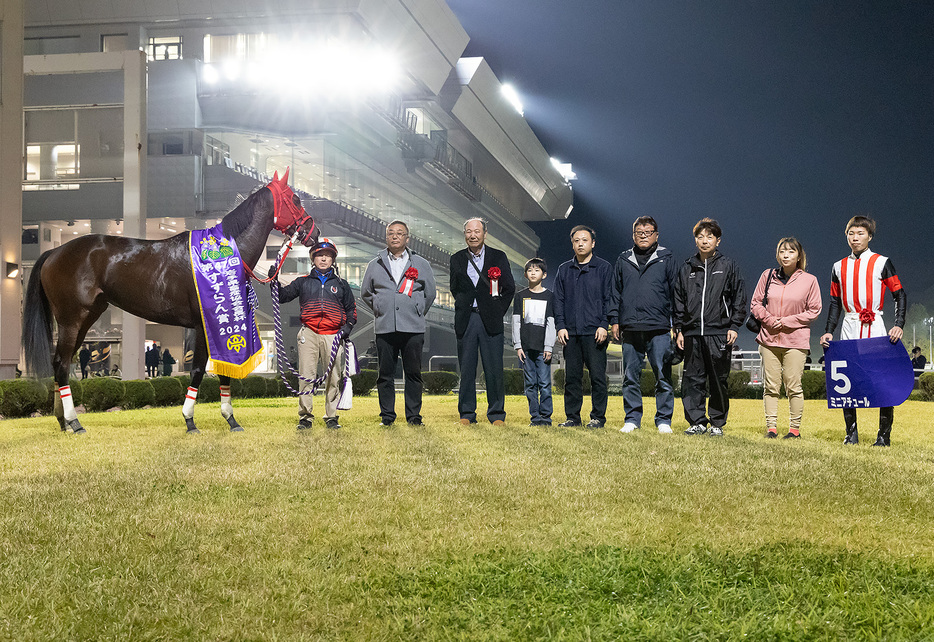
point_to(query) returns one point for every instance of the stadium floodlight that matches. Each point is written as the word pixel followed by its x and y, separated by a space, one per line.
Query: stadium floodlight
pixel 512 97
pixel 333 69
pixel 564 169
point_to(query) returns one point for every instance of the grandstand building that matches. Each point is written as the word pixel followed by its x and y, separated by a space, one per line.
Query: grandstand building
pixel 150 118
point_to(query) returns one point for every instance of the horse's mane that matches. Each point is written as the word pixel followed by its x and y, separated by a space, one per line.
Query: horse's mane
pixel 241 216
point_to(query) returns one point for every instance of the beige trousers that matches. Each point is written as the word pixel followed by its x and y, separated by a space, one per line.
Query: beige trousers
pixel 314 353
pixel 782 364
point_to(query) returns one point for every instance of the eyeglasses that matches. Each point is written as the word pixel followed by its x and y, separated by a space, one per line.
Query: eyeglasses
pixel 645 235
pixel 396 235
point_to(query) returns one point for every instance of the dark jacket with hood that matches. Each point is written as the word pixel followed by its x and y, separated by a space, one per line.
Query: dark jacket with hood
pixel 642 294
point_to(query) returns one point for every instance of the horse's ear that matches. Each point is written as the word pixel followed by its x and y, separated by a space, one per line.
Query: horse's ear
pixel 275 177
pixel 285 178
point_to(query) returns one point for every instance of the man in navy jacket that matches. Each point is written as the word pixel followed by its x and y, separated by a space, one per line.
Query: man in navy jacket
pixel 583 288
pixel 643 286
pixel 481 299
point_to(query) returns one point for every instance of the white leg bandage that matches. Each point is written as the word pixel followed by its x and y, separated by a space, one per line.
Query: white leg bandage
pixel 68 403
pixel 188 410
pixel 226 406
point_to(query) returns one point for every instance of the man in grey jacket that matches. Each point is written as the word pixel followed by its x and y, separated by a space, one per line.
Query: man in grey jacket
pixel 399 287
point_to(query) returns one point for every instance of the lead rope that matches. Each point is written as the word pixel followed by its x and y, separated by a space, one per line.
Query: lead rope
pixel 282 363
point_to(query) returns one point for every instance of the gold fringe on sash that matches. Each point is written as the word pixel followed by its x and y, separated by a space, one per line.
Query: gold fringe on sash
pixel 237 371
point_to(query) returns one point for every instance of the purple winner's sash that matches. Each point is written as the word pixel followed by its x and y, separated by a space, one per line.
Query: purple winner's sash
pixel 234 348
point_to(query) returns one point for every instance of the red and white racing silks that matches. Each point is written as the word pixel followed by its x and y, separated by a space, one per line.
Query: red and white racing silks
pixel 860 284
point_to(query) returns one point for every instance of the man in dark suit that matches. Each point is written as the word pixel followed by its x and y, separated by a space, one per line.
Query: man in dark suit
pixel 481 299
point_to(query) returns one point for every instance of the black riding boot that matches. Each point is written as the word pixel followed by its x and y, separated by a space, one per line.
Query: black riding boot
pixel 886 417
pixel 849 418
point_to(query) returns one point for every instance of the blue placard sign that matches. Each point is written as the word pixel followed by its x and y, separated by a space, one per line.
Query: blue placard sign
pixel 867 373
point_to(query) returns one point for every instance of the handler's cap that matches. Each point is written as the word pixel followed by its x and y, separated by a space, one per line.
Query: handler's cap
pixel 325 245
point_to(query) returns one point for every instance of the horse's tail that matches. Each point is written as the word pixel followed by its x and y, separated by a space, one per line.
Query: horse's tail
pixel 37 324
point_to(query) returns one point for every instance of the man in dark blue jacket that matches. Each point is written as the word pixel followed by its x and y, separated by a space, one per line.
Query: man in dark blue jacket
pixel 643 286
pixel 582 302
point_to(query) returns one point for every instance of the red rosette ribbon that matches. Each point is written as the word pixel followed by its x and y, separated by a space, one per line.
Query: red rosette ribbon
pixel 494 274
pixel 866 316
pixel 408 282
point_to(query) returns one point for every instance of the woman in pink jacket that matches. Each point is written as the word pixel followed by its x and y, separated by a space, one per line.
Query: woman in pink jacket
pixel 792 304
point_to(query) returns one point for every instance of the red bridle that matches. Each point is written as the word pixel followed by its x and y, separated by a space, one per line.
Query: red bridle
pixel 288 218
pixel 286 214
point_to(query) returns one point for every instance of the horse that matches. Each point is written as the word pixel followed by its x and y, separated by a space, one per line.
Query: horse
pixel 74 284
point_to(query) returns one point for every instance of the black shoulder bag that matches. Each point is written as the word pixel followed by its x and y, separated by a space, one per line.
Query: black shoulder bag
pixel 752 323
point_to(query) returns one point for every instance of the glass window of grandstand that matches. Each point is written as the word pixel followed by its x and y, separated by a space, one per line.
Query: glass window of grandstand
pixel 165 48
pixel 217 151
pixel 51 45
pixel 114 42
pixel 68 145
pixel 240 46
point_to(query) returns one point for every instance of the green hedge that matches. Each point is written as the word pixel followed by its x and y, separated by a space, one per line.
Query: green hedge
pixel 274 387
pixel 253 387
pixel 185 380
pixel 737 384
pixel 363 382
pixel 209 390
pixel 283 391
pixel 647 382
pixel 49 404
pixel 168 391
pixel 559 381
pixel 814 384
pixel 138 393
pixel 439 382
pixel 514 380
pixel 102 393
pixel 926 385
pixel 22 397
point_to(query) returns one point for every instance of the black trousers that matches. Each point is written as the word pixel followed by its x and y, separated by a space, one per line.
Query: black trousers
pixel 581 350
pixel 886 417
pixel 388 348
pixel 489 347
pixel 706 367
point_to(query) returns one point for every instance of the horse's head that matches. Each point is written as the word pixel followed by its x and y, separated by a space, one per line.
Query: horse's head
pixel 288 214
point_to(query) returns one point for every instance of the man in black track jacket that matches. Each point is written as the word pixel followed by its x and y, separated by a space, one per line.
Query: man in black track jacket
pixel 709 308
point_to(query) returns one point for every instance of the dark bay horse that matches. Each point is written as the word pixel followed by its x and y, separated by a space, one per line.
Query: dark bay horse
pixel 74 284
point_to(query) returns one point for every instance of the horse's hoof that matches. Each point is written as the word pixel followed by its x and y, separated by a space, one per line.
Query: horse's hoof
pixel 237 428
pixel 75 427
pixel 192 431
pixel 234 424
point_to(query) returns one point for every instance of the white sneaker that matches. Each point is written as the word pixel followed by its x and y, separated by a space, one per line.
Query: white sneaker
pixel 628 427
pixel 664 428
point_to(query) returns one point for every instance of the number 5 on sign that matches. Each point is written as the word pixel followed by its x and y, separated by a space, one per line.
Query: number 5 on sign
pixel 836 373
pixel 867 373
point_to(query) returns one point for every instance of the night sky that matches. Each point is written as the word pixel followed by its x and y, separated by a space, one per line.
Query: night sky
pixel 776 118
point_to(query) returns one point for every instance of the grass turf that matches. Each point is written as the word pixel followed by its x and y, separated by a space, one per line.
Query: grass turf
pixel 139 531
